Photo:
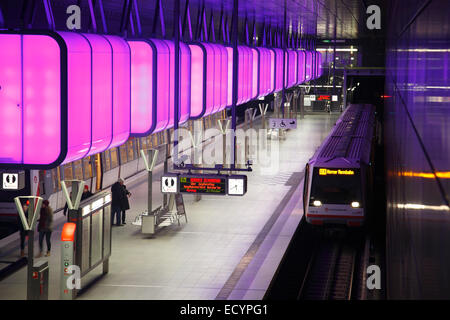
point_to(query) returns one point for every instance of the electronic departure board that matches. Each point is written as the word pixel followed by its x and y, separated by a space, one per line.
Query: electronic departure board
pixel 203 184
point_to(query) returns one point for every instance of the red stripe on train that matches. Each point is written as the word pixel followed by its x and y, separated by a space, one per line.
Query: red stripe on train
pixel 332 216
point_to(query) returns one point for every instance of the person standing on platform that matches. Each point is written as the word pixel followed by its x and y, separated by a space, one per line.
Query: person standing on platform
pixel 118 198
pixel 23 232
pixel 45 227
pixel 86 194
pixel 126 203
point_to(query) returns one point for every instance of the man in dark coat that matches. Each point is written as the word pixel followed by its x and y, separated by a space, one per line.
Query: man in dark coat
pixel 118 199
pixel 126 203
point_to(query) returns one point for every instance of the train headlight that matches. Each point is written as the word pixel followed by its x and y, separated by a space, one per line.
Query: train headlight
pixel 355 204
pixel 317 203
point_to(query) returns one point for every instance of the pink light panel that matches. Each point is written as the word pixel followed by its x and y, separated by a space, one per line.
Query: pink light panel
pixel 278 69
pixel 309 67
pixel 301 69
pixel 197 81
pixel 291 68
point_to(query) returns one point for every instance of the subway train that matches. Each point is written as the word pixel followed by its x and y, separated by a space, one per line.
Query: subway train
pixel 339 177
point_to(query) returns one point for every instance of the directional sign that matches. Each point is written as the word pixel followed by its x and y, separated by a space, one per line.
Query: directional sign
pixel 275 123
pixel 169 184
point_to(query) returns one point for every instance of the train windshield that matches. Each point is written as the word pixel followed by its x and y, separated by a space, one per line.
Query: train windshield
pixel 336 186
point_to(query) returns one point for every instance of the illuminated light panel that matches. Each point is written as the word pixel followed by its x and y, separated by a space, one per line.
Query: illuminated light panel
pixel 162 84
pixel 309 65
pixel 255 82
pixel 79 85
pixel 278 69
pixel 121 90
pixel 416 206
pixel 197 82
pixel 427 175
pixel 347 172
pixel 101 93
pixel 143 109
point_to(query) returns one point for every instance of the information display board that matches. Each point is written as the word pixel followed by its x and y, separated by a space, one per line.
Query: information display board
pixel 203 184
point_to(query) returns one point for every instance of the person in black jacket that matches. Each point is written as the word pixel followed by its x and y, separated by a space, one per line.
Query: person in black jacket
pixel 118 198
pixel 126 203
pixel 86 194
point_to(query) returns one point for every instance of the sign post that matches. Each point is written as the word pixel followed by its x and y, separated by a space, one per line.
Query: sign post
pixel 29 224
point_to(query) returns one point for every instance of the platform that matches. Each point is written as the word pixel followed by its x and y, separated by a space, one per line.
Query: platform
pixel 230 248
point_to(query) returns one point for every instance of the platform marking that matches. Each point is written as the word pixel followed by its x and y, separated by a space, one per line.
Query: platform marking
pixel 230 284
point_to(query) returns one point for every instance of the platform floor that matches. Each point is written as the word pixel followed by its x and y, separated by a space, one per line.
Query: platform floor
pixel 229 249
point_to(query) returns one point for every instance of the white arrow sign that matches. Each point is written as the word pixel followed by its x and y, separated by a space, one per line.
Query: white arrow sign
pixel 275 123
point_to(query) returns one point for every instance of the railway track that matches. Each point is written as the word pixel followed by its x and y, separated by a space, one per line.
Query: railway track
pixel 330 273
pixel 320 266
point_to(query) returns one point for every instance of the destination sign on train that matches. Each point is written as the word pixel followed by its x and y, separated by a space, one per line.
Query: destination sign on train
pixel 345 172
pixel 203 184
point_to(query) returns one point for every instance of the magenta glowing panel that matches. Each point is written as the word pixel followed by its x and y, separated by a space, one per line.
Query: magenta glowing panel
pixel 255 71
pixel 11 135
pixel 30 84
pixel 301 66
pixel 185 83
pixel 278 69
pixel 223 78
pixel 143 109
pixel 197 81
pixel 102 93
pixel 264 66
pixel 162 84
pixel 291 68
pixel 210 77
pixel 121 90
pixel 230 76
pixel 171 47
pixel 240 85
pixel 319 64
pixel 272 70
pixel 79 77
pixel 309 66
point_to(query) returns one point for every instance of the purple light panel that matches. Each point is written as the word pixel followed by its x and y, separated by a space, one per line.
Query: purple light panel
pixel 185 83
pixel 224 78
pixel 197 81
pixel 291 68
pixel 230 76
pixel 255 82
pixel 162 84
pixel 30 100
pixel 301 66
pixel 102 93
pixel 121 90
pixel 309 67
pixel 319 64
pixel 143 109
pixel 79 86
pixel 278 69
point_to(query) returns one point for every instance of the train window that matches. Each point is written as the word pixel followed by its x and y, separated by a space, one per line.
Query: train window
pixel 130 149
pixel 87 166
pixel 56 186
pixel 114 158
pixel 336 188
pixel 123 153
pixel 68 171
pixel 106 161
pixel 78 169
